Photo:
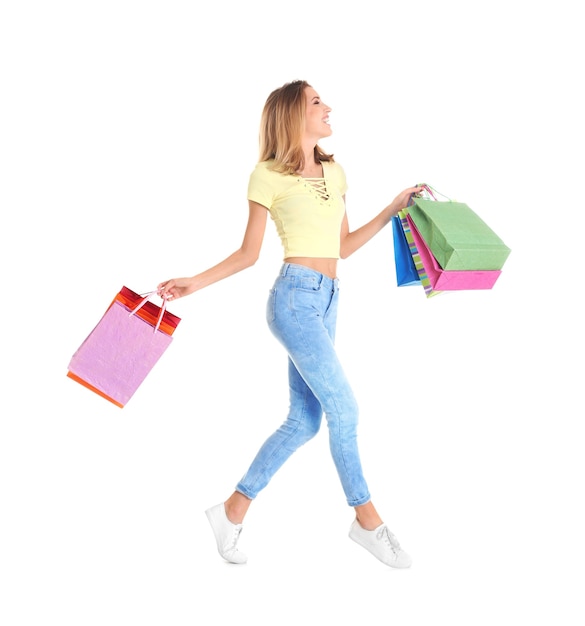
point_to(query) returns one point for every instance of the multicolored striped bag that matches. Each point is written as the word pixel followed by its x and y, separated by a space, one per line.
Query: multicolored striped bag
pixel 420 268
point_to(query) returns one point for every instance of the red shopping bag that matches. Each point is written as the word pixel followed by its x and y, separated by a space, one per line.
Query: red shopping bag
pixel 124 346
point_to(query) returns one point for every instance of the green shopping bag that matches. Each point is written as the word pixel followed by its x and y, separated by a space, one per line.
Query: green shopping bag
pixel 458 238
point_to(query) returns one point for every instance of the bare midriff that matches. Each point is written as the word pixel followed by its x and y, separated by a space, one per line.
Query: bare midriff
pixel 328 267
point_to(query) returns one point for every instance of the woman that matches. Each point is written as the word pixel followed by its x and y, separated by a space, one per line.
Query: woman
pixel 303 190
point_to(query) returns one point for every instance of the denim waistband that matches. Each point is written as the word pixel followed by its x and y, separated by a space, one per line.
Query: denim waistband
pixel 294 269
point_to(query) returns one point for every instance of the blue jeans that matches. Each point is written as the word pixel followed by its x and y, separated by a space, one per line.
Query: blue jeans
pixel 302 313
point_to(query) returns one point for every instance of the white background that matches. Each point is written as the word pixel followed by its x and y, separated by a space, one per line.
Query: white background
pixel 128 132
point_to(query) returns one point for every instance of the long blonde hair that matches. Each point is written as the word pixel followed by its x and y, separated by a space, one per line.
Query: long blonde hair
pixel 281 129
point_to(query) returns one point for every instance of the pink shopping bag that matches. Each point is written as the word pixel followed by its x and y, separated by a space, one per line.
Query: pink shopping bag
pixel 125 345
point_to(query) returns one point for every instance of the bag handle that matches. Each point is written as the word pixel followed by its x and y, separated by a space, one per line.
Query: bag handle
pixel 145 298
pixel 429 192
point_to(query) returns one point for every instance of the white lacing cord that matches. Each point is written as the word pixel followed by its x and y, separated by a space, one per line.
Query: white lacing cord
pixel 320 186
pixel 385 535
pixel 235 536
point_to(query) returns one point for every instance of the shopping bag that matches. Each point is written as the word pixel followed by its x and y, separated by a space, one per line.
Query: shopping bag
pixel 458 238
pixel 406 273
pixel 124 346
pixel 450 280
pixel 425 281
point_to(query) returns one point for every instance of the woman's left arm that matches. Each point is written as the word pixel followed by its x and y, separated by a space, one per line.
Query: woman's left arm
pixel 352 241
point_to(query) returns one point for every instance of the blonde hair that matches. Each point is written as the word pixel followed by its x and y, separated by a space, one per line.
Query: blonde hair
pixel 281 129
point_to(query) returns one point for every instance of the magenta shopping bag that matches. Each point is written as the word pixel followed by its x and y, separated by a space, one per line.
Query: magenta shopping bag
pixel 449 280
pixel 122 349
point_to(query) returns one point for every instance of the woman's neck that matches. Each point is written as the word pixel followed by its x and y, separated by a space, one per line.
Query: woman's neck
pixel 310 168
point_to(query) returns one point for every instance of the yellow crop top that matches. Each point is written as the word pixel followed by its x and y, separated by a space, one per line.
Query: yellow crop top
pixel 307 212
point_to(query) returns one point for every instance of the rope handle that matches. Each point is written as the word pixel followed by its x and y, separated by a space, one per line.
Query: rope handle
pixel 145 299
pixel 429 193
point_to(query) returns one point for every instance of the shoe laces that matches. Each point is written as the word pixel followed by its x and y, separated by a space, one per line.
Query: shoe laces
pixel 235 537
pixel 387 537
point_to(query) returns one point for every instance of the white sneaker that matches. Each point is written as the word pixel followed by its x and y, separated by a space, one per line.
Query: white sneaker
pixel 226 534
pixel 382 544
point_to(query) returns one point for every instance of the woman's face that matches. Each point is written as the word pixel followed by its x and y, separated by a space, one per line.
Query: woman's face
pixel 316 116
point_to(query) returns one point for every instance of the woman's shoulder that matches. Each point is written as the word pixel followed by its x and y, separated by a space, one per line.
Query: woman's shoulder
pixel 333 171
pixel 264 170
pixel 265 183
pixel 264 166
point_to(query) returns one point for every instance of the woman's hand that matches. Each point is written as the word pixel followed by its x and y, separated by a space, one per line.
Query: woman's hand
pixel 176 288
pixel 402 199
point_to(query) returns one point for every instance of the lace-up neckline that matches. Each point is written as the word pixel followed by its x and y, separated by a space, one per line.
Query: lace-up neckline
pixel 318 185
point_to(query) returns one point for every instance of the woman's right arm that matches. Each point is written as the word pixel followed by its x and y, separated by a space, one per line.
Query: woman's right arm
pixel 245 256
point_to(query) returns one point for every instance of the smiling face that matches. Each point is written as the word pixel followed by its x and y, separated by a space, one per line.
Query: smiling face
pixel 316 116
